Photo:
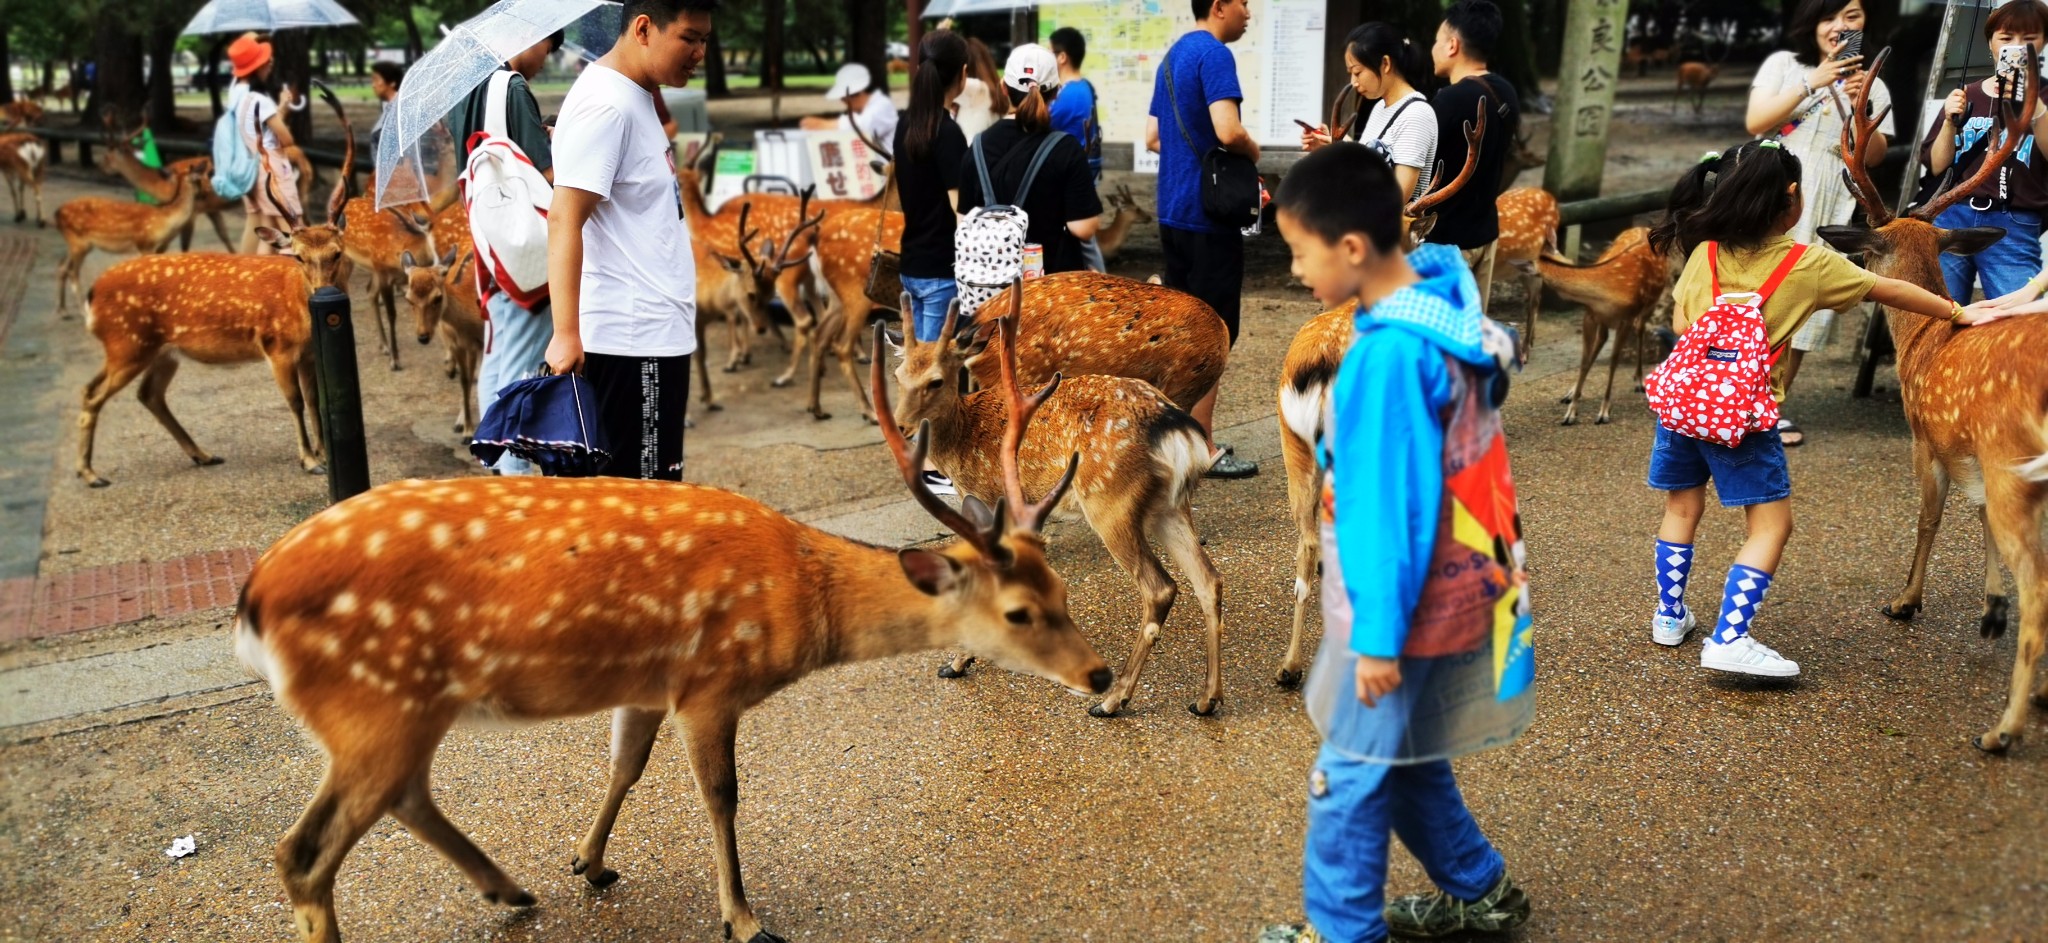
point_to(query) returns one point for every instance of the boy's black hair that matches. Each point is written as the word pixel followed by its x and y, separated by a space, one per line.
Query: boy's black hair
pixel 1477 23
pixel 392 73
pixel 1343 188
pixel 662 12
pixel 1070 41
pixel 1735 198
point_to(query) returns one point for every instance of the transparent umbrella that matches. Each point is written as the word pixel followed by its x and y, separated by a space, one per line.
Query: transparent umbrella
pixel 237 16
pixel 461 61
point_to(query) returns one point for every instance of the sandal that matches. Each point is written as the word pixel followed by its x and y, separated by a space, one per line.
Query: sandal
pixel 1789 433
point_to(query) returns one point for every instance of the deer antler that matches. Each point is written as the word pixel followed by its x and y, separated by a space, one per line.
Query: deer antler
pixel 2008 120
pixel 747 254
pixel 1473 135
pixel 779 258
pixel 1856 140
pixel 1341 130
pixel 910 460
pixel 1021 409
pixel 348 155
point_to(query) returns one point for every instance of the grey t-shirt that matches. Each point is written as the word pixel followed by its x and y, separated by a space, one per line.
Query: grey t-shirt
pixel 522 122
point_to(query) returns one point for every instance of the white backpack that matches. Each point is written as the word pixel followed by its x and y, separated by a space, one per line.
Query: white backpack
pixel 988 248
pixel 507 199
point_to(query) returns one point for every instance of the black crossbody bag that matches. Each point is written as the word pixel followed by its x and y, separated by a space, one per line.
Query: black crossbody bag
pixel 1230 182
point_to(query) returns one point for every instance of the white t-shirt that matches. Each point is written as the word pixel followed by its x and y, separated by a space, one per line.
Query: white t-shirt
pixel 877 120
pixel 263 106
pixel 977 109
pixel 639 295
pixel 1816 139
pixel 1411 140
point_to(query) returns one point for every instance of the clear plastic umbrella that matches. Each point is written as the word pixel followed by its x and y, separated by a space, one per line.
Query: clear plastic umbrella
pixel 237 16
pixel 460 62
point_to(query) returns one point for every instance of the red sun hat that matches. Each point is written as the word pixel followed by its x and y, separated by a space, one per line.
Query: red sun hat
pixel 247 54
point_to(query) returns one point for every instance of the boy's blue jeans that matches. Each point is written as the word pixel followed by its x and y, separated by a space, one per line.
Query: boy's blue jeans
pixel 518 348
pixel 1352 805
pixel 2006 265
pixel 928 300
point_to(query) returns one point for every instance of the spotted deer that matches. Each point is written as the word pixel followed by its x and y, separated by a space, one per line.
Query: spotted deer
pixel 1306 373
pixel 391 617
pixel 1529 219
pixel 1976 400
pixel 841 248
pixel 24 159
pixel 377 242
pixel 118 157
pixel 22 112
pixel 1088 323
pixel 1110 238
pixel 1619 291
pixel 150 312
pixel 750 279
pixel 1138 460
pixel 119 225
pixel 441 293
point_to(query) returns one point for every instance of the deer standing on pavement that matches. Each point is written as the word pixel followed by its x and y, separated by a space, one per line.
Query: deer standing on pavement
pixel 1110 239
pixel 442 295
pixel 118 157
pixel 24 158
pixel 1976 400
pixel 1619 292
pixel 389 618
pixel 1528 228
pixel 1088 323
pixel 1139 460
pixel 118 225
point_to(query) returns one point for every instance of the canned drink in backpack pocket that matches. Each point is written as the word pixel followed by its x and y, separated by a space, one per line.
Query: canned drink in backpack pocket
pixel 1034 260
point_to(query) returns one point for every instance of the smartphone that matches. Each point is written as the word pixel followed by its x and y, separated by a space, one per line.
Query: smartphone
pixel 1305 126
pixel 2012 70
pixel 1852 43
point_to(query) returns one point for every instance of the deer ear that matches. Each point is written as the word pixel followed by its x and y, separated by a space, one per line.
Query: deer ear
pixel 448 257
pixel 1851 240
pixel 934 574
pixel 1420 228
pixel 895 339
pixel 731 265
pixel 975 340
pixel 1970 241
pixel 407 259
pixel 276 238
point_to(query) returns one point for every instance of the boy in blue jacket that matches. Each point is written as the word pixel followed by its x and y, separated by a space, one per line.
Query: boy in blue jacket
pixel 1426 641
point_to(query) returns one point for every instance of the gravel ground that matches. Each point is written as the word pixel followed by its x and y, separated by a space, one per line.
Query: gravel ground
pixel 880 803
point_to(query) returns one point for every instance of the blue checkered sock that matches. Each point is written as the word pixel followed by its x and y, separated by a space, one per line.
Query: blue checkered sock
pixel 1674 565
pixel 1745 590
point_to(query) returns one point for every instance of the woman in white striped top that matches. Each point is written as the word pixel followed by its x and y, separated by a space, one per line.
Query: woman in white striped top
pixel 1386 67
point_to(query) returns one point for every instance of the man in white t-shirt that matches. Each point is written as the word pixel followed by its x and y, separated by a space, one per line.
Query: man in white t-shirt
pixel 868 109
pixel 619 268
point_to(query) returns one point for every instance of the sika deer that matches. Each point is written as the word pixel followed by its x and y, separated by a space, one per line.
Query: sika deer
pixel 387 619
pixel 116 225
pixel 1086 323
pixel 442 296
pixel 118 157
pixel 1976 400
pixel 24 158
pixel 1619 291
pixel 22 112
pixel 1110 239
pixel 1528 228
pixel 376 242
pixel 1138 457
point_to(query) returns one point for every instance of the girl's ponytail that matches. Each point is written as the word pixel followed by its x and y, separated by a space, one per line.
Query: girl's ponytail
pixel 1033 114
pixel 1688 196
pixel 1737 197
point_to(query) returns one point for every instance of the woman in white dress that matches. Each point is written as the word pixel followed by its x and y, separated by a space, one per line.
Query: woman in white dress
pixel 1790 101
pixel 1385 67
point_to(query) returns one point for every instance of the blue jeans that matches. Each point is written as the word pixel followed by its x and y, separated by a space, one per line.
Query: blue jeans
pixel 1754 472
pixel 928 300
pixel 1351 806
pixel 516 347
pixel 2006 265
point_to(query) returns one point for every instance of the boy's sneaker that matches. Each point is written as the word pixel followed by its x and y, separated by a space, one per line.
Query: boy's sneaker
pixel 1672 630
pixel 1747 656
pixel 1290 933
pixel 939 484
pixel 1439 914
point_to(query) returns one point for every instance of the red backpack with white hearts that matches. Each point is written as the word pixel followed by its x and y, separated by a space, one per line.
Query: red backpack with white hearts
pixel 1716 385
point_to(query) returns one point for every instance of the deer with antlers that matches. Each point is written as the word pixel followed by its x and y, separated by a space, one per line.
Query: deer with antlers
pixel 148 313
pixel 1110 238
pixel 1306 373
pixel 117 225
pixel 24 159
pixel 118 158
pixel 1975 399
pixel 1619 290
pixel 1138 460
pixel 751 278
pixel 391 617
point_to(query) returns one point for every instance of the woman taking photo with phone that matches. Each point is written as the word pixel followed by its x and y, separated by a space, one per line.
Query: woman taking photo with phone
pixel 1386 67
pixel 1790 101
pixel 2012 199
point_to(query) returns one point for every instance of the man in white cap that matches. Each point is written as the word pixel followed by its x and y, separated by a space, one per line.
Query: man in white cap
pixel 868 110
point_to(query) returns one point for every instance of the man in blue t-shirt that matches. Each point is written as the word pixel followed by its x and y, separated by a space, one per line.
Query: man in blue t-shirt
pixel 1203 258
pixel 1075 113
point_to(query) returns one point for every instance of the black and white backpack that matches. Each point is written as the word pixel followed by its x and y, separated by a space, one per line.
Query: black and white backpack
pixel 989 245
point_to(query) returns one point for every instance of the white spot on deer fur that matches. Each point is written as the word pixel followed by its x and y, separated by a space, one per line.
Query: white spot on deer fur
pixel 471 651
pixel 344 604
pixel 383 612
pixel 747 631
pixel 330 645
pixel 411 520
pixel 422 621
pixel 474 530
pixel 440 536
pixel 375 545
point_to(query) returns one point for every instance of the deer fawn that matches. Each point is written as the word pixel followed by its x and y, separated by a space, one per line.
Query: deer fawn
pixel 117 225
pixel 1088 323
pixel 1110 238
pixel 118 158
pixel 386 619
pixel 1974 401
pixel 442 296
pixel 1528 228
pixel 1619 291
pixel 23 160
pixel 1140 458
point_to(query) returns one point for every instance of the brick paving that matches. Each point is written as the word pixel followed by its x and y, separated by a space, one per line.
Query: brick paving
pixel 17 256
pixel 123 592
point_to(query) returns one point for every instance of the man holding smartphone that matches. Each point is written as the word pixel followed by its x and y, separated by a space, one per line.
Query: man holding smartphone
pixel 2015 197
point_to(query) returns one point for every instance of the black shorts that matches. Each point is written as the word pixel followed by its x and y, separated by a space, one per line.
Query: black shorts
pixel 1209 266
pixel 640 404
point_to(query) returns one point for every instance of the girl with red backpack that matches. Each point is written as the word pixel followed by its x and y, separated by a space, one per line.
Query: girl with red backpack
pixel 1730 215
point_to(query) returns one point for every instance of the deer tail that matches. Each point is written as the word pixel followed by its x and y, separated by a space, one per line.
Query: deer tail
pixel 1182 452
pixel 249 647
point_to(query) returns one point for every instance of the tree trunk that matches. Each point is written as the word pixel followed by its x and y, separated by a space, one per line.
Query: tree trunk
pixel 6 73
pixel 117 80
pixel 163 99
pixel 913 14
pixel 714 70
pixel 414 46
pixel 867 41
pixel 292 51
pixel 211 69
pixel 1515 57
pixel 772 15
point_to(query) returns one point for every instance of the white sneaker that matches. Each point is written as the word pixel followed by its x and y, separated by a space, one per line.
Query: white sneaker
pixel 1672 630
pixel 939 484
pixel 1747 656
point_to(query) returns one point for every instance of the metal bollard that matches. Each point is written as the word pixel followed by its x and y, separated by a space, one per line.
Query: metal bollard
pixel 340 395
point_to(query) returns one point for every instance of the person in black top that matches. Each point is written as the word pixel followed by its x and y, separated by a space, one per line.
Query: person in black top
pixel 1469 220
pixel 929 149
pixel 1062 204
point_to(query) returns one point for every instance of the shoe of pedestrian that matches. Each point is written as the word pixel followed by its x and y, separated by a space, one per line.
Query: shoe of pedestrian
pixel 1438 914
pixel 1290 933
pixel 1226 464
pixel 1747 656
pixel 1672 630
pixel 939 484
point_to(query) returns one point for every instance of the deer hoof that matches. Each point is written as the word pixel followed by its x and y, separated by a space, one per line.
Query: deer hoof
pixel 714 407
pixel 820 415
pixel 766 937
pixel 1104 710
pixel 1996 742
pixel 95 481
pixel 731 368
pixel 1568 421
pixel 1600 421
pixel 780 382
pixel 512 898
pixel 2040 699
pixel 206 460
pixel 1210 711
pixel 949 672
pixel 601 878
pixel 1903 613
pixel 1565 400
pixel 1289 678
pixel 1992 625
pixel 320 469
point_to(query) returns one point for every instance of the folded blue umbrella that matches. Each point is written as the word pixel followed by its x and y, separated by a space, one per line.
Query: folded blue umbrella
pixel 550 421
